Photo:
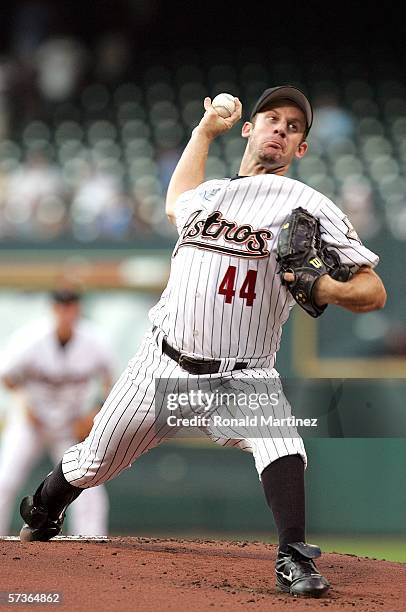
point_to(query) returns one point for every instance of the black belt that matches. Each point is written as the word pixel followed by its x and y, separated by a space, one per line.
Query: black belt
pixel 197 366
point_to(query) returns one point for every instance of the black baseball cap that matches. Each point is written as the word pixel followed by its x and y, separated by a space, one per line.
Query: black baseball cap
pixel 288 92
pixel 65 296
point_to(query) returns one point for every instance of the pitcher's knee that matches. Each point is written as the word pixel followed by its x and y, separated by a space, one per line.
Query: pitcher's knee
pixel 82 477
pixel 93 472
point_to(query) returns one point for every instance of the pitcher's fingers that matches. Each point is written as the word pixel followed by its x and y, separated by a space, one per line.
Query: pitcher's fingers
pixel 238 109
pixel 207 103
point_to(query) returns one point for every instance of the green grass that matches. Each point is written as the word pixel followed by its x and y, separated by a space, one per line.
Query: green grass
pixel 388 547
pixel 391 548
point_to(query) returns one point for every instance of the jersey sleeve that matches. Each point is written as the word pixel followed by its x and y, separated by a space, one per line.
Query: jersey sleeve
pixel 338 232
pixel 201 198
pixel 182 209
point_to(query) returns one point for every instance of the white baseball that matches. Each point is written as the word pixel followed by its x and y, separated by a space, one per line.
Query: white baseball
pixel 224 104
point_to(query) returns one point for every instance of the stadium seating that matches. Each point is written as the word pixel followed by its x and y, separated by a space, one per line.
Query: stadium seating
pixel 134 132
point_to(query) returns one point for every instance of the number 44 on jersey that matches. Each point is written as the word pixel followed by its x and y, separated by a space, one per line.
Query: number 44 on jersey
pixel 247 289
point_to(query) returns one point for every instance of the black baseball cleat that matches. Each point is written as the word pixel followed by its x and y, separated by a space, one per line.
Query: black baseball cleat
pixel 38 526
pixel 296 572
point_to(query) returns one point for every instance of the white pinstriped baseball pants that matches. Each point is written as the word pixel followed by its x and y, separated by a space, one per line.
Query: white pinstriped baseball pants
pixel 126 426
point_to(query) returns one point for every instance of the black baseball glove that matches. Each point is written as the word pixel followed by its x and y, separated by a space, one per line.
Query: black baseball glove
pixel 301 251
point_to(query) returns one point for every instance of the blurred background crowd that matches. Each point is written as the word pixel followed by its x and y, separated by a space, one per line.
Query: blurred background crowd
pixel 93 117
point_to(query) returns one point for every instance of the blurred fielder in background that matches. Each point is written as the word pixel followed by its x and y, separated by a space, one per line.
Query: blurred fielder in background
pixel 51 366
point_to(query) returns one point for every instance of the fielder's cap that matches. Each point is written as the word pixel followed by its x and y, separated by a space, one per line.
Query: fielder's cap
pixel 65 296
pixel 288 92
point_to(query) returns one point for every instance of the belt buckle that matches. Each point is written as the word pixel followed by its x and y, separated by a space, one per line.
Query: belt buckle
pixel 198 366
pixel 185 361
pixel 189 364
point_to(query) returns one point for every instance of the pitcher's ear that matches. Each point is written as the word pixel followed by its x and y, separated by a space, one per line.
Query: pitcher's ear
pixel 246 129
pixel 301 150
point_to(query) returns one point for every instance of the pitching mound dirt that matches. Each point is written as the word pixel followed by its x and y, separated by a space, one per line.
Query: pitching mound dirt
pixel 149 574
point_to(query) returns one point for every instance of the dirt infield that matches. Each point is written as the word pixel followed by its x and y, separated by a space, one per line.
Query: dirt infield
pixel 149 574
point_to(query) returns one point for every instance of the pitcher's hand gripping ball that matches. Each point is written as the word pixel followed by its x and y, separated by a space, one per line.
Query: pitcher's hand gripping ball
pixel 224 104
pixel 301 251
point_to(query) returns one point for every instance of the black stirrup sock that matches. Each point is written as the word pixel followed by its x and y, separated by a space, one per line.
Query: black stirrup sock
pixel 283 482
pixel 55 493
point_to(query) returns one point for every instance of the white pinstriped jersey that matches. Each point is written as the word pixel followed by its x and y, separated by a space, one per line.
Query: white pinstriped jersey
pixel 224 298
pixel 57 380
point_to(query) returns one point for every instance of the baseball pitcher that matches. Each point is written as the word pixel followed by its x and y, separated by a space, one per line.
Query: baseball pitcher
pixel 219 320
